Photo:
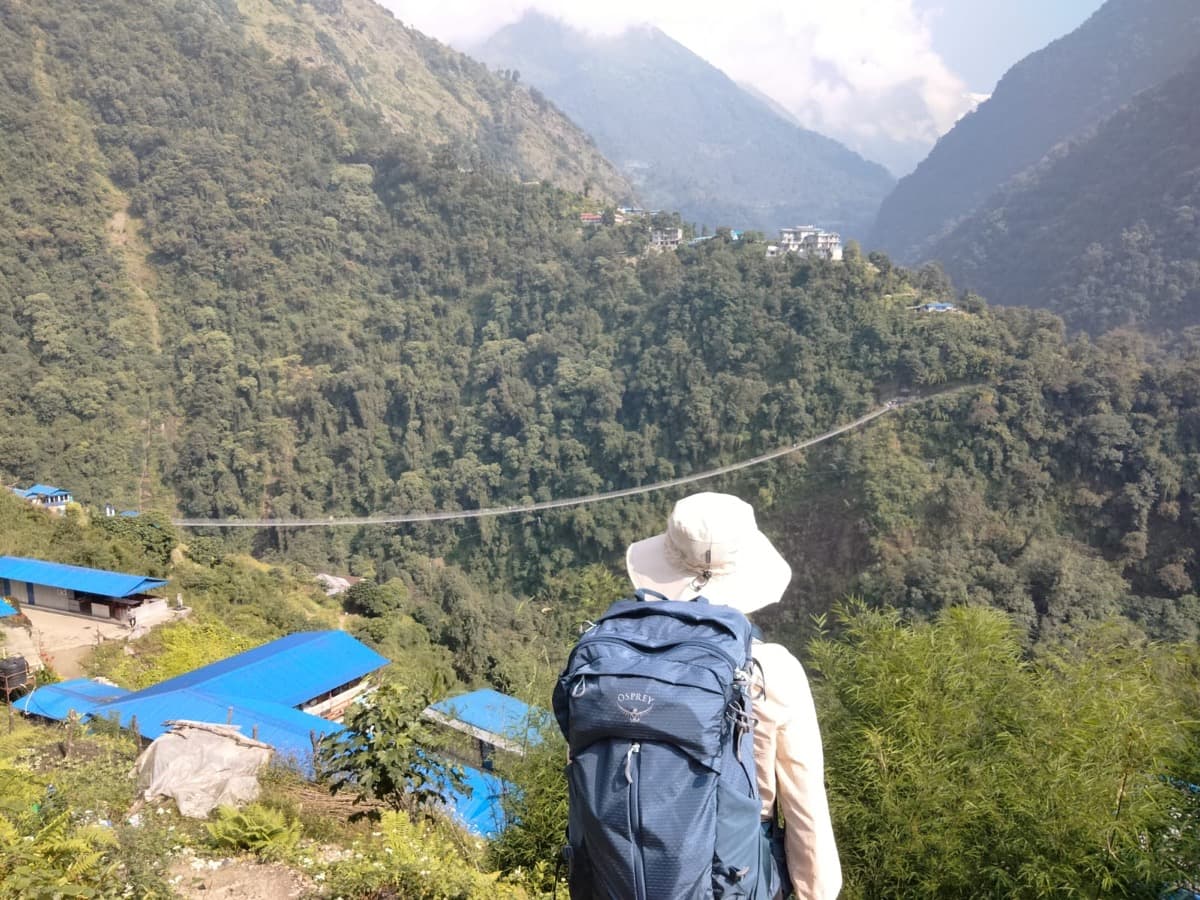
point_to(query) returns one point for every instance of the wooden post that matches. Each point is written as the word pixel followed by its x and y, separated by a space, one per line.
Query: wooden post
pixel 137 734
pixel 254 731
pixel 72 718
pixel 229 716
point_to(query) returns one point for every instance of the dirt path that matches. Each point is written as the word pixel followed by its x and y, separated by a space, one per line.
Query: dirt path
pixel 240 878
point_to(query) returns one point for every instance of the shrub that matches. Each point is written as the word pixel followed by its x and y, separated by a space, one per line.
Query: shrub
pixel 417 861
pixel 256 829
pixel 379 755
pixel 537 814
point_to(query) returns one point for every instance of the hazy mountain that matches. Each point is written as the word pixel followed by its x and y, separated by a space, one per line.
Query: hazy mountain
pixel 428 91
pixel 770 103
pixel 689 137
pixel 1105 231
pixel 1125 47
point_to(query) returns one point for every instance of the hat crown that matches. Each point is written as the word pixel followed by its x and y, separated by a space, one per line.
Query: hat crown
pixel 711 547
pixel 705 531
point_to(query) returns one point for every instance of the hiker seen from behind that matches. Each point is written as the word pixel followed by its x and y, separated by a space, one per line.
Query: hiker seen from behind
pixel 696 768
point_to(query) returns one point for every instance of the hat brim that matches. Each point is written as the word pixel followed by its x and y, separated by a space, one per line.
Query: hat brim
pixel 759 580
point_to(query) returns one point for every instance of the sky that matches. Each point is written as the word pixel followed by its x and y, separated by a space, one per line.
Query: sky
pixel 885 77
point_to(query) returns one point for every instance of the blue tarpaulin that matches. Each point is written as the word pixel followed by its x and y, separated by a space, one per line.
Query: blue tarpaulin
pixel 479 808
pixel 286 729
pixel 6 609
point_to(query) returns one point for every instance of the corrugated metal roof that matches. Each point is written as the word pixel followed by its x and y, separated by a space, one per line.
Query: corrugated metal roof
pixel 6 609
pixel 261 687
pixel 286 729
pixel 43 490
pixel 76 578
pixel 55 701
pixel 290 670
pixel 496 714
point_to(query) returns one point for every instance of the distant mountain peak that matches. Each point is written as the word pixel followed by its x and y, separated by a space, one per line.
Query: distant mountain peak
pixel 702 144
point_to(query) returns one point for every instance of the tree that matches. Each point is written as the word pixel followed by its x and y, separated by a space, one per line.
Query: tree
pixel 383 755
pixel 367 598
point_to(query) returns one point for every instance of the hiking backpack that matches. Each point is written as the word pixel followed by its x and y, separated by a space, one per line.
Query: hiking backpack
pixel 655 706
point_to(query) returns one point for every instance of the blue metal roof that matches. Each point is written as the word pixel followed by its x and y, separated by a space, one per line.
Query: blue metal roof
pixel 6 609
pixel 479 808
pixel 497 713
pixel 286 729
pixel 76 578
pixel 46 491
pixel 55 701
pixel 261 687
pixel 289 670
pixel 42 491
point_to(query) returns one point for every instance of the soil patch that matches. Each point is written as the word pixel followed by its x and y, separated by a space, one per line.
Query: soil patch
pixel 244 879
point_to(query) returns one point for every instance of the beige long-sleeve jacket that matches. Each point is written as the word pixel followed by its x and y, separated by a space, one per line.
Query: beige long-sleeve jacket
pixel 791 772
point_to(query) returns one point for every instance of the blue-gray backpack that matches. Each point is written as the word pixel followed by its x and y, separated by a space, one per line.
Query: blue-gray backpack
pixel 655 706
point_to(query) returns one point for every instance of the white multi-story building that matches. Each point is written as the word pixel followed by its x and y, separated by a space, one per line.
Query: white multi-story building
pixel 666 238
pixel 809 240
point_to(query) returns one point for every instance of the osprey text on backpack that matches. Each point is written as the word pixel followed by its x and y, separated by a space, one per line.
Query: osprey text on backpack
pixel 655 705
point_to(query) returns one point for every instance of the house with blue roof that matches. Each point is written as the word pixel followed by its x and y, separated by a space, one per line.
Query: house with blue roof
pixel 497 721
pixel 45 496
pixel 486 722
pixel 288 693
pixel 936 308
pixel 75 589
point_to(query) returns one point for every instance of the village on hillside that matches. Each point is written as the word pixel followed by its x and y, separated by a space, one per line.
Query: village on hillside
pixel 274 703
pixel 806 241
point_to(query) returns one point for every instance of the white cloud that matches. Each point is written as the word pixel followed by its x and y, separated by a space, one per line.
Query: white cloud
pixel 861 71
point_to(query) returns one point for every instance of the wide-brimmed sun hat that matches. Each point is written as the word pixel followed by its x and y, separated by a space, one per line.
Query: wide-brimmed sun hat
pixel 712 547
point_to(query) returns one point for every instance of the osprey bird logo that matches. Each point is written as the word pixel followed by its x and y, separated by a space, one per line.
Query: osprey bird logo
pixel 635 705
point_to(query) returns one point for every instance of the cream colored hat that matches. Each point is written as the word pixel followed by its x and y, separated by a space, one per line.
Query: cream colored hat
pixel 712 547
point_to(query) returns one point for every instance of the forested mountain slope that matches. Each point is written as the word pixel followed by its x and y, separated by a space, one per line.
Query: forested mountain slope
pixel 429 92
pixel 689 137
pixel 232 292
pixel 231 289
pixel 1106 231
pixel 1048 97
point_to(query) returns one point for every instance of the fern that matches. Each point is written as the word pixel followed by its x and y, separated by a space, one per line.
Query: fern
pixel 257 829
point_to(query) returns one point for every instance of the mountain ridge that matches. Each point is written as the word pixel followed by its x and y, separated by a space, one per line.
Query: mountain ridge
pixel 1105 227
pixel 413 81
pixel 687 134
pixel 1046 98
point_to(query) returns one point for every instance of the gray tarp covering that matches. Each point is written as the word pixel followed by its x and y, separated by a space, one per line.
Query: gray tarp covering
pixel 201 766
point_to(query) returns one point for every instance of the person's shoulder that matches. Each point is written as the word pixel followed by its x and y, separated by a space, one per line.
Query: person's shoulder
pixel 777 658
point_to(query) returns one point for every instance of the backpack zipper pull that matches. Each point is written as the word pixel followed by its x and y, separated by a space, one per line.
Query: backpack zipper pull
pixel 633 748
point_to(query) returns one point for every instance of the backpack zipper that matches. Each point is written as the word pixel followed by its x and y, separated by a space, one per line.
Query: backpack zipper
pixel 632 775
pixel 704 645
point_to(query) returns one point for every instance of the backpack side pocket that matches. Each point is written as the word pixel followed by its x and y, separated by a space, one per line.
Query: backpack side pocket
pixel 737 850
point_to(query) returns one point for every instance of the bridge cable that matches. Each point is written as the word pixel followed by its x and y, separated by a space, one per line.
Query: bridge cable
pixel 449 515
